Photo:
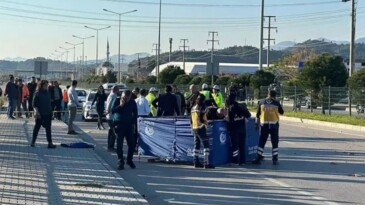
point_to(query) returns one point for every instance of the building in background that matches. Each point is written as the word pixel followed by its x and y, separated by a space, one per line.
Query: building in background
pixel 106 66
pixel 201 68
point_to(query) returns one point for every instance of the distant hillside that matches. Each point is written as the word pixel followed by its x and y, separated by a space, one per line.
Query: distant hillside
pixel 128 58
pixel 235 54
pixel 360 40
pixel 249 54
pixel 283 45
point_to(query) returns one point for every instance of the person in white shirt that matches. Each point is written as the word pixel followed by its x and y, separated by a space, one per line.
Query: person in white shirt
pixel 142 104
pixel 143 110
pixel 73 102
pixel 109 117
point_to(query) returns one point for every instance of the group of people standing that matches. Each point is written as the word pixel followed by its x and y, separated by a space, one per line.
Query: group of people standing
pixel 42 100
pixel 20 97
pixel 267 122
pixel 123 109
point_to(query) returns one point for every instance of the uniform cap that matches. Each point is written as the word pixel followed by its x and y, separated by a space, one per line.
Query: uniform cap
pixel 153 89
pixel 205 86
pixel 216 87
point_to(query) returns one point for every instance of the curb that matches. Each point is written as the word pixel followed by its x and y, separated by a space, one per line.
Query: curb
pixel 320 123
pixel 324 124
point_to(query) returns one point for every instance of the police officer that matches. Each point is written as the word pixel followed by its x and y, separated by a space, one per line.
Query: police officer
pixel 128 113
pixel 199 123
pixel 209 100
pixel 237 126
pixel 268 121
pixel 152 95
pixel 217 96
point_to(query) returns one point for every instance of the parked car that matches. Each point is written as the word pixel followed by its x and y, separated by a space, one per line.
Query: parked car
pixel 360 109
pixel 310 102
pixel 81 94
pixel 121 86
pixel 344 100
pixel 88 111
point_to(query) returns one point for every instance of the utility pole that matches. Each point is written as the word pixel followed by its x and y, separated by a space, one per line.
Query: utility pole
pixel 159 43
pixel 269 39
pixel 213 41
pixel 170 41
pixel 184 49
pixel 261 33
pixel 353 34
pixel 155 49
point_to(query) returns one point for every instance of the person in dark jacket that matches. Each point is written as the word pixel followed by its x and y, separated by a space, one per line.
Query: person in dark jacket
pixel 10 90
pixel 100 98
pixel 191 98
pixel 56 98
pixel 180 99
pixel 42 113
pixel 32 86
pixel 128 113
pixel 166 104
pixel 237 127
pixel 17 98
pixel 135 93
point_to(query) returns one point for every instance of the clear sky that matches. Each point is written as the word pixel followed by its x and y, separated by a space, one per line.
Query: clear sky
pixel 34 28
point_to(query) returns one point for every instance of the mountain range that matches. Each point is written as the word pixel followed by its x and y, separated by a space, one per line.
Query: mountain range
pixel 126 59
pixel 287 44
pixel 234 54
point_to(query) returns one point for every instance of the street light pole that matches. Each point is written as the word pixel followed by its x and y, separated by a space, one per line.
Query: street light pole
pixel 120 19
pixel 83 45
pixel 74 47
pixel 83 50
pixel 67 50
pixel 97 39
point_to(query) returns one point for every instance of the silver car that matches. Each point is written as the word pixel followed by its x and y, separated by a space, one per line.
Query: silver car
pixel 81 95
pixel 89 112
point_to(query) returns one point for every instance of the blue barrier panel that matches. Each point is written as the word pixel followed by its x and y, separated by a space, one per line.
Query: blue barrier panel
pixel 157 137
pixel 252 140
pixel 184 141
pixel 172 138
pixel 221 150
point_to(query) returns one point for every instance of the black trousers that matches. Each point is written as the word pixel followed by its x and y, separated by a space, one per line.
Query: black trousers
pixel 57 107
pixel 100 112
pixel 238 139
pixel 200 136
pixel 46 122
pixel 30 105
pixel 125 130
pixel 111 134
pixel 273 131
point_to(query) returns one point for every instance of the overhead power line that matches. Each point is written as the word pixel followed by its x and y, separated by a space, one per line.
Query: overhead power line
pixel 168 17
pixel 226 5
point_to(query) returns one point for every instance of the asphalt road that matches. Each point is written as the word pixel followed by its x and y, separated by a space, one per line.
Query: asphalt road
pixel 317 166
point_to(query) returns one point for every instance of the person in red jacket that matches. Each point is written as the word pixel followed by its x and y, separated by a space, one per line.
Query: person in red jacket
pixel 23 98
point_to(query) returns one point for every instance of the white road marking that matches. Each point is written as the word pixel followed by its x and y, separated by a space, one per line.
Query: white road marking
pixel 289 142
pixel 341 132
pixel 283 184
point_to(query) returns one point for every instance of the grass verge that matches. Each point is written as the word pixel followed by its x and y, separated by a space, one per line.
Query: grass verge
pixel 334 118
